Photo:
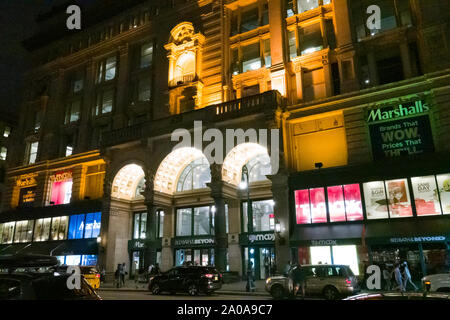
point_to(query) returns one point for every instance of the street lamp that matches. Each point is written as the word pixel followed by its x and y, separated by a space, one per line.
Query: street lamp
pixel 245 184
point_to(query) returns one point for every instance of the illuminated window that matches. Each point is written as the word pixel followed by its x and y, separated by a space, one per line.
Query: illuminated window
pixel 32 152
pixel 386 199
pixel 251 57
pixel 59 228
pixel 126 182
pixel 61 191
pixel 95 176
pixel 426 196
pixel 299 6
pixel 3 153
pixel 72 111
pixel 310 39
pixel 140 225
pixel 292 44
pixel 250 18
pixel 42 229
pixel 84 226
pixel 105 100
pixel 262 214
pixel 69 150
pixel 184 68
pixel 24 231
pixel 160 223
pixel 195 221
pixel 195 175
pixel 310 206
pixel 7 232
pixel 259 167
pixel 146 55
pixel 106 69
pixel 6 132
pixel 443 181
pixel 144 89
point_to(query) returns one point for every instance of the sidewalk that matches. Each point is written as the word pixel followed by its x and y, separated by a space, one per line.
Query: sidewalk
pixel 236 288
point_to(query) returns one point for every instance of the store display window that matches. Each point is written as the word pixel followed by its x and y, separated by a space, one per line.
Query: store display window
pixel 61 188
pixel 426 196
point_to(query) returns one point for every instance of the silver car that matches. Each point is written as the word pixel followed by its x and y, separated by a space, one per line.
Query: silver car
pixel 329 281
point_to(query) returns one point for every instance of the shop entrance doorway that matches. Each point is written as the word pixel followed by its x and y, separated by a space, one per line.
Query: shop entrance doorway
pixel 137 263
pixel 194 257
pixel 262 260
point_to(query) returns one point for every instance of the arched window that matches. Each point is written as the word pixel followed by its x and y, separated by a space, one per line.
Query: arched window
pixel 195 175
pixel 184 68
pixel 139 189
pixel 259 167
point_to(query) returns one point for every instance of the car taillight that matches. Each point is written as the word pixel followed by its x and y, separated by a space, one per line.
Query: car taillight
pixel 208 275
pixel 348 281
pixel 97 275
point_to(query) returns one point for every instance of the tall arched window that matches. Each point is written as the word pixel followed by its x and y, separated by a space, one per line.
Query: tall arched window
pixel 184 68
pixel 259 167
pixel 195 175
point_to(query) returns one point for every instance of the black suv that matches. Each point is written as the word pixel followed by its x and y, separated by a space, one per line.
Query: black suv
pixel 192 279
pixel 32 277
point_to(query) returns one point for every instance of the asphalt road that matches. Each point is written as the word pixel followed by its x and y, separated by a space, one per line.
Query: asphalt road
pixel 128 295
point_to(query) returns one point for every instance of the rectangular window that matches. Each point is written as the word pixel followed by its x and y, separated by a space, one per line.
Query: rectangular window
pixel 61 192
pixel 249 20
pixel 24 231
pixel 195 221
pixel 69 150
pixel 251 59
pixel 110 69
pixel 140 225
pixel 6 132
pixel 92 226
pixel 144 89
pixel 202 224
pixel 59 228
pixel 292 44
pixel 7 232
pixel 95 176
pixel 266 53
pixel 235 65
pixel 375 198
pixel 146 55
pixel 3 153
pixel 105 100
pixel 262 212
pixel 426 196
pixel 399 200
pixel 344 203
pixel 306 5
pixel 76 226
pixel 32 153
pixel 160 232
pixel 444 191
pixel 38 120
pixel 72 111
pixel 76 84
pixel 184 222
pixel 310 39
pixel 42 229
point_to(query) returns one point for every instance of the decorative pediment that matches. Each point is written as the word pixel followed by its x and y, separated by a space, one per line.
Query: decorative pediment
pixel 182 33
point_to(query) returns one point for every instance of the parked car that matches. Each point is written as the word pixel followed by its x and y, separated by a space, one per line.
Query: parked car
pixel 192 279
pixel 32 277
pixel 400 296
pixel 90 273
pixel 329 281
pixel 437 282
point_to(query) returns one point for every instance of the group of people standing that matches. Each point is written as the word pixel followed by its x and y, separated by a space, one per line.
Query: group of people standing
pixel 119 275
pixel 398 277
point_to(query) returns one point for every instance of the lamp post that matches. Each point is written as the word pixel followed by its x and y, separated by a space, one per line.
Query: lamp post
pixel 250 285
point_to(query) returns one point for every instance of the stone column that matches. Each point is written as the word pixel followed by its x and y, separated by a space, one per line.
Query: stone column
pixel 299 81
pixel 151 236
pixel 280 191
pixel 103 246
pixel 220 232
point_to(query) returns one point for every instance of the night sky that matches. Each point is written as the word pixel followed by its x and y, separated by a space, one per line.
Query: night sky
pixel 16 24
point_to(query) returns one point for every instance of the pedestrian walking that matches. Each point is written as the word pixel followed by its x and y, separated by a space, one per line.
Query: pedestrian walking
pixel 407 277
pixel 299 279
pixel 398 277
pixel 387 278
pixel 122 274
pixel 117 276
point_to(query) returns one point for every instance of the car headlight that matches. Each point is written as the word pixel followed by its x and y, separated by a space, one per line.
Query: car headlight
pixel 268 280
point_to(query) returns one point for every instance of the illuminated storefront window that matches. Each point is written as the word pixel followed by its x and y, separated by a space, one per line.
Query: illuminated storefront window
pixel 24 231
pixel 61 184
pixel 195 176
pixel 263 216
pixel 444 191
pixel 42 229
pixel 344 255
pixel 77 260
pixel 84 226
pixel 426 196
pixel 196 257
pixel 59 228
pixel 195 221
pixel 7 232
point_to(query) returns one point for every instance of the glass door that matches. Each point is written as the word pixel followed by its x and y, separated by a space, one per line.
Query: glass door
pixel 266 262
